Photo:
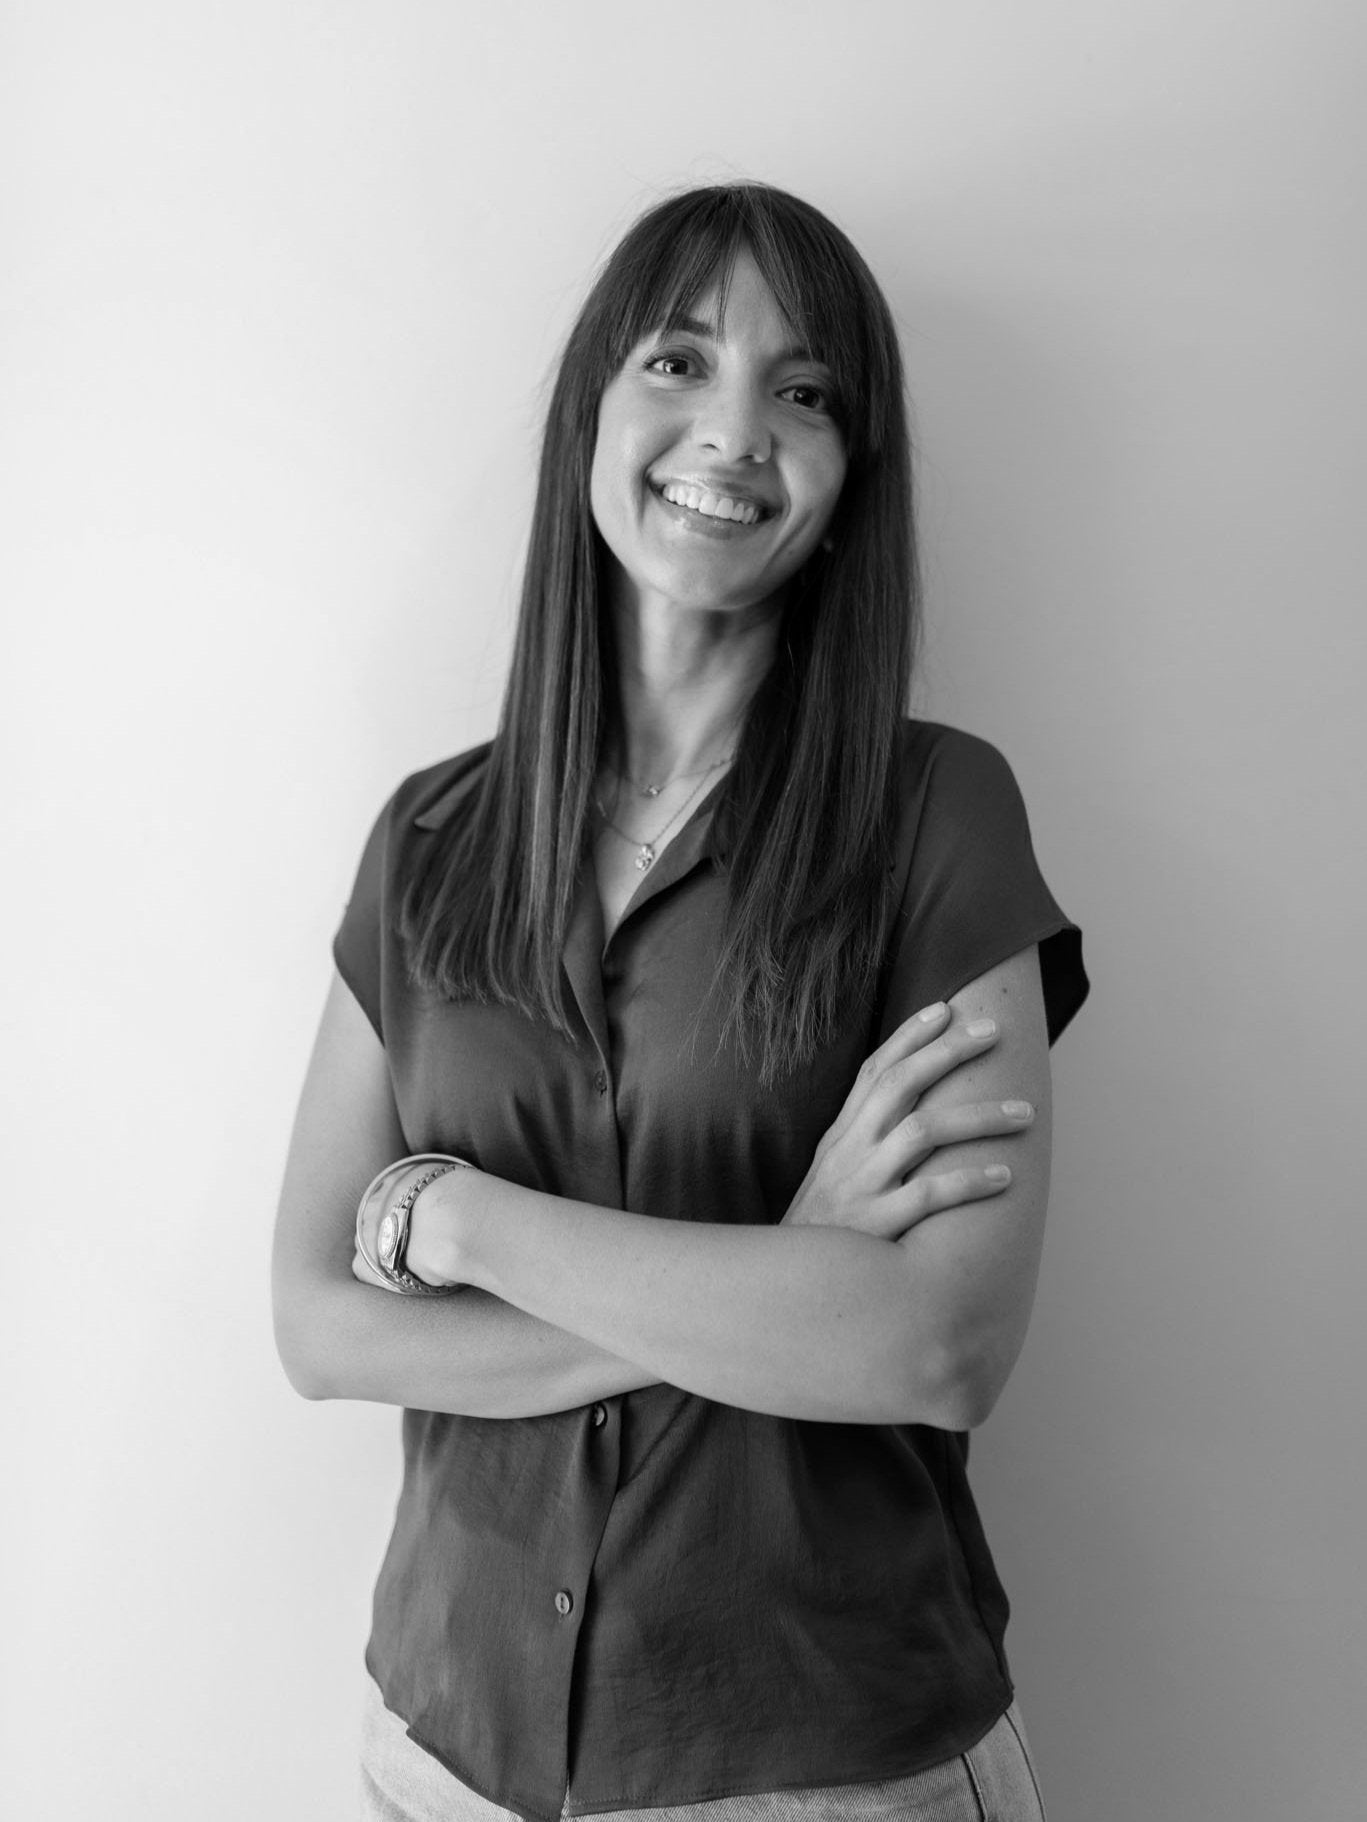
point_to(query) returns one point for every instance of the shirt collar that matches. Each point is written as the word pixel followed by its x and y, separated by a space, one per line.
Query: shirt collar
pixel 442 807
pixel 693 846
pixel 585 949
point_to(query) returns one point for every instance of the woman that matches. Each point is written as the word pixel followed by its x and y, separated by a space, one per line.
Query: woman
pixel 709 934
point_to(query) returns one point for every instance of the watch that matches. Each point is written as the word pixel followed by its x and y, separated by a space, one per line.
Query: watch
pixel 391 1238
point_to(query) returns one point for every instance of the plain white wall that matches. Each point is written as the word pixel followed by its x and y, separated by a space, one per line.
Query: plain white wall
pixel 281 286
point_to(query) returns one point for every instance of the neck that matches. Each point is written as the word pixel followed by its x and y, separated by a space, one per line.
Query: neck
pixel 685 681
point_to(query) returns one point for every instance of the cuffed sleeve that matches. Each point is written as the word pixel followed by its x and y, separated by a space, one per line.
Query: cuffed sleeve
pixel 973 891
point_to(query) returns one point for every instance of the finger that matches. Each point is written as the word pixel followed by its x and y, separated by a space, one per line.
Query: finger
pixel 934 1194
pixel 904 1079
pixel 910 1036
pixel 914 1138
pixel 362 1269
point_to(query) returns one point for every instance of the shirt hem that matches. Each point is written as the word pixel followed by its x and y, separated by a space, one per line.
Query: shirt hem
pixel 593 1806
pixel 574 1807
pixel 519 1807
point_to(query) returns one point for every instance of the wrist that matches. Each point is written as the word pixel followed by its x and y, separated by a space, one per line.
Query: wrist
pixel 438 1244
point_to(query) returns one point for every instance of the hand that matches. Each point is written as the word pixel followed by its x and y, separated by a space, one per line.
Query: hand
pixel 858 1175
pixel 432 1249
pixel 422 1252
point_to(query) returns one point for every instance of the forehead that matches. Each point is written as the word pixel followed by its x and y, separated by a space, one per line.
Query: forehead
pixel 737 303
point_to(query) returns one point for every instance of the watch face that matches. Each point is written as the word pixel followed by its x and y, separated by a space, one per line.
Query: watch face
pixel 387 1238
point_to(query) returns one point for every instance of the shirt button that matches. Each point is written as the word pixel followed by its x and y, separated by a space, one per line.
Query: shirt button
pixel 600 1082
pixel 600 1416
pixel 564 1603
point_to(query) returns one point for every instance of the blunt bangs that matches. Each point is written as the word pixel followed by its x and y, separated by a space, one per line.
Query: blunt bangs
pixel 831 301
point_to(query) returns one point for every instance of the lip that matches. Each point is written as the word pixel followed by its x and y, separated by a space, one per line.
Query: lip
pixel 701 523
pixel 711 484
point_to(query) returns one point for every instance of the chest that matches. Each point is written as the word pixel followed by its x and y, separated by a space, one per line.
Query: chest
pixel 638 830
pixel 645 1103
pixel 617 875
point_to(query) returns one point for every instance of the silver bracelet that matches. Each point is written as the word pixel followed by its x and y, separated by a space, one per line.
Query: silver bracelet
pixel 396 1278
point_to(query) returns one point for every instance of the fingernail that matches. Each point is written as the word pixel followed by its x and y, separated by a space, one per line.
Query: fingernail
pixel 1017 1110
pixel 997 1173
pixel 929 1014
pixel 982 1028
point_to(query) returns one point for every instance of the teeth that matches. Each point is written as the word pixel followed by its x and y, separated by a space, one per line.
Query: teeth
pixel 711 505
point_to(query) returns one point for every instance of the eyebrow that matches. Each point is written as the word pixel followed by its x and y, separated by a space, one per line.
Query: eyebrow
pixel 695 325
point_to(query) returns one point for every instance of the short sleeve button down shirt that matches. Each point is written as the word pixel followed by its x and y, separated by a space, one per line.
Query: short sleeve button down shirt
pixel 658 1599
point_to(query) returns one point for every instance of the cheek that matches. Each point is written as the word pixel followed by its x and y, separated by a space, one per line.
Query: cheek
pixel 620 459
pixel 603 463
pixel 606 483
pixel 598 487
pixel 827 479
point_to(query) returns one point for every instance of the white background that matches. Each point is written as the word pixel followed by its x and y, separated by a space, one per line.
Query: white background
pixel 281 288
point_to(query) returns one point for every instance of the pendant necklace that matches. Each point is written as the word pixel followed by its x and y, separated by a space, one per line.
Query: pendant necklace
pixel 646 851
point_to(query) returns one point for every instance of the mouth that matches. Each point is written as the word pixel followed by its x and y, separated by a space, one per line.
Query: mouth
pixel 717 509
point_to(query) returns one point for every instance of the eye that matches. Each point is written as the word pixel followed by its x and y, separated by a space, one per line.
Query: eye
pixel 674 363
pixel 809 397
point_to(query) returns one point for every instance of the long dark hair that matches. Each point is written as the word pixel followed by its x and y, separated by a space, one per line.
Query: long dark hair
pixel 806 815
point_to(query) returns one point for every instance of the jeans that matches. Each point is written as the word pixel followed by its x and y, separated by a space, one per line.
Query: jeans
pixel 993 1781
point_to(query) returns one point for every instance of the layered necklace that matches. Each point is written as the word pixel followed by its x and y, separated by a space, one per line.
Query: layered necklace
pixel 647 851
pixel 653 790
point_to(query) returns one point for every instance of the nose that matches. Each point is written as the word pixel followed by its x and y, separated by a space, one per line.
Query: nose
pixel 732 421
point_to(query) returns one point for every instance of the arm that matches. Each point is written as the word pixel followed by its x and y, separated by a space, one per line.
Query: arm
pixel 470 1354
pixel 984 1257
pixel 920 1322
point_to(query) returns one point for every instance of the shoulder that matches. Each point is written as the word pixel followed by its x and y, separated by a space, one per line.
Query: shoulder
pixel 933 749
pixel 951 781
pixel 429 798
pixel 969 890
pixel 424 800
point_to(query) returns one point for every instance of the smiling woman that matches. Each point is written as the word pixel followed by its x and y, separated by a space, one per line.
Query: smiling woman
pixel 719 459
pixel 733 988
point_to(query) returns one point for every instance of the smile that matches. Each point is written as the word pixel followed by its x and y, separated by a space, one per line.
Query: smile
pixel 711 505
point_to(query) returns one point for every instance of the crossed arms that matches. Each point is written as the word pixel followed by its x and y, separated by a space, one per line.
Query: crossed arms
pixel 897 1288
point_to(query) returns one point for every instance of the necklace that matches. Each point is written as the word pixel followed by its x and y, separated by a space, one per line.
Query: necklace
pixel 653 790
pixel 646 851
